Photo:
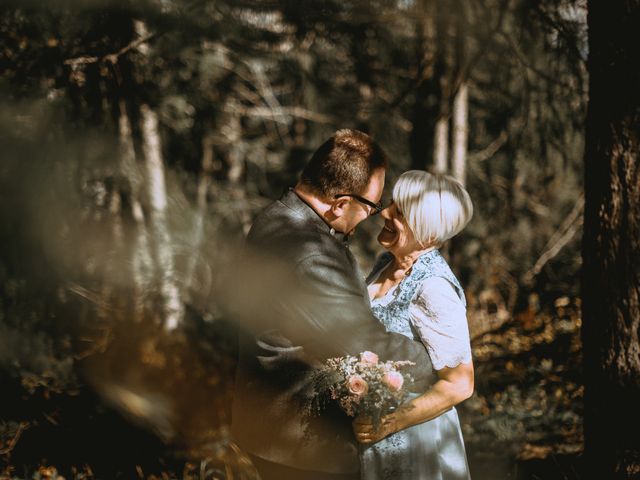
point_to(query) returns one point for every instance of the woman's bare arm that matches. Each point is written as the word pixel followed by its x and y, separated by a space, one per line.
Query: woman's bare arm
pixel 453 386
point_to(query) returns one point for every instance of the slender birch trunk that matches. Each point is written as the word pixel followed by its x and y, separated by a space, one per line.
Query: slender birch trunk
pixel 445 70
pixel 201 207
pixel 157 196
pixel 111 250
pixel 142 263
pixel 460 132
pixel 235 157
pixel 116 250
pixel 441 145
pixel 310 95
pixel 236 160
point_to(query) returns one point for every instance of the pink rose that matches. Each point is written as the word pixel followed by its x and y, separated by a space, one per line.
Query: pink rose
pixel 393 380
pixel 357 385
pixel 369 358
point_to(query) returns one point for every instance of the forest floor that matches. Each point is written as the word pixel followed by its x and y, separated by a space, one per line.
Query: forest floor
pixel 525 419
pixel 523 423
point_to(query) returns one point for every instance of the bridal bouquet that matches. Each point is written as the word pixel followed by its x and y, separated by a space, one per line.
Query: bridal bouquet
pixel 363 385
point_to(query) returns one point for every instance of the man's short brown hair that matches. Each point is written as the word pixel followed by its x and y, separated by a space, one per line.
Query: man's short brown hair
pixel 343 164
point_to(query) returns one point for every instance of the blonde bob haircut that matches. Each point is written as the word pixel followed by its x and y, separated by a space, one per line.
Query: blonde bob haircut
pixel 436 207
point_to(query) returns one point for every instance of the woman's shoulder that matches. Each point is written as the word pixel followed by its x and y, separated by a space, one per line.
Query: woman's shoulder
pixel 439 294
pixel 438 283
pixel 436 276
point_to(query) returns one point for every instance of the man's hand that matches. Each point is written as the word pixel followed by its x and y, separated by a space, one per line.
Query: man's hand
pixel 366 432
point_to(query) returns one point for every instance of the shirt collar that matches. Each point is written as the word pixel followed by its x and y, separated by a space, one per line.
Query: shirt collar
pixel 293 201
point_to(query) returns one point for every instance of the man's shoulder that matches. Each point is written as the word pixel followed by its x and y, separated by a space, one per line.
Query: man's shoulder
pixel 276 214
pixel 286 231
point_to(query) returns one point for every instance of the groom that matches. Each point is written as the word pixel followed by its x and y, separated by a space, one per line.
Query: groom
pixel 328 315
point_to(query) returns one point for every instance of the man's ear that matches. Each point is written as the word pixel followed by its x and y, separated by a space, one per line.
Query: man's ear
pixel 338 206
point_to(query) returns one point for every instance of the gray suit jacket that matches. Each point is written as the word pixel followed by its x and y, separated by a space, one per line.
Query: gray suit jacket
pixel 325 314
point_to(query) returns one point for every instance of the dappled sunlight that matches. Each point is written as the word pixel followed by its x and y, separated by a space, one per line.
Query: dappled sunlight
pixel 140 140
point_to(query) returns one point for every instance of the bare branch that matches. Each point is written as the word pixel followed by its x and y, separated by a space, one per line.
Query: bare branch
pixel 523 61
pixel 558 240
pixel 283 114
pixel 22 426
pixel 110 57
pixel 491 149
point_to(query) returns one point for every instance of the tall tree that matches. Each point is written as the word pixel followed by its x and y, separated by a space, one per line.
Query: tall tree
pixel 157 195
pixel 460 133
pixel 611 244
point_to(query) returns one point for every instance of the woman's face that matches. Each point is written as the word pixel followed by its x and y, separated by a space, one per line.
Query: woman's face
pixel 396 236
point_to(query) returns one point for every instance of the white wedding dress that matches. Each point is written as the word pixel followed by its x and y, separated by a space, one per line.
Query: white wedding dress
pixel 427 305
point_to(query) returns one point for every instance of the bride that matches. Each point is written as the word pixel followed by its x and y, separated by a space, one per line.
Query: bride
pixel 414 292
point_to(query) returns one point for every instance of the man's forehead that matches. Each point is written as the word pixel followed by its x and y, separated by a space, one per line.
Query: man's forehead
pixel 376 184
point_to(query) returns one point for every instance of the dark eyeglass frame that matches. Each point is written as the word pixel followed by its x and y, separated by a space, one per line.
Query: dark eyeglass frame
pixel 377 207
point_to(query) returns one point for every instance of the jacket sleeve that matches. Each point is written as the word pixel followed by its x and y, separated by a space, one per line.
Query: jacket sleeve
pixel 337 317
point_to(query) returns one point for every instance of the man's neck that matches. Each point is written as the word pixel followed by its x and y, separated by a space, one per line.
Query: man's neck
pixel 321 208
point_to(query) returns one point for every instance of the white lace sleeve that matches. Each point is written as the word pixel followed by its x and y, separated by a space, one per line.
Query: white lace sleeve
pixel 440 318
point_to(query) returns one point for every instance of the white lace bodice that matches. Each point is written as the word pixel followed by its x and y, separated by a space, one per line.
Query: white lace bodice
pixel 433 310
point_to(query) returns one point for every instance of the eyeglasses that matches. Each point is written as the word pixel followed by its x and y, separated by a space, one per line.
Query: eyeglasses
pixel 377 207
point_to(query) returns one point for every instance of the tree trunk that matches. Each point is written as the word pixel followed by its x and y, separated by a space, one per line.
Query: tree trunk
pixel 201 207
pixel 460 123
pixel 142 264
pixel 311 98
pixel 157 194
pixel 445 68
pixel 611 244
pixel 460 132
pixel 427 95
pixel 441 145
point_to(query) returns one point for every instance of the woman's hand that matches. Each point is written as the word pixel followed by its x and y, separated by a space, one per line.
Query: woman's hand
pixel 366 432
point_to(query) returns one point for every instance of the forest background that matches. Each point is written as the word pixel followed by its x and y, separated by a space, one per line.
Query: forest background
pixel 139 139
